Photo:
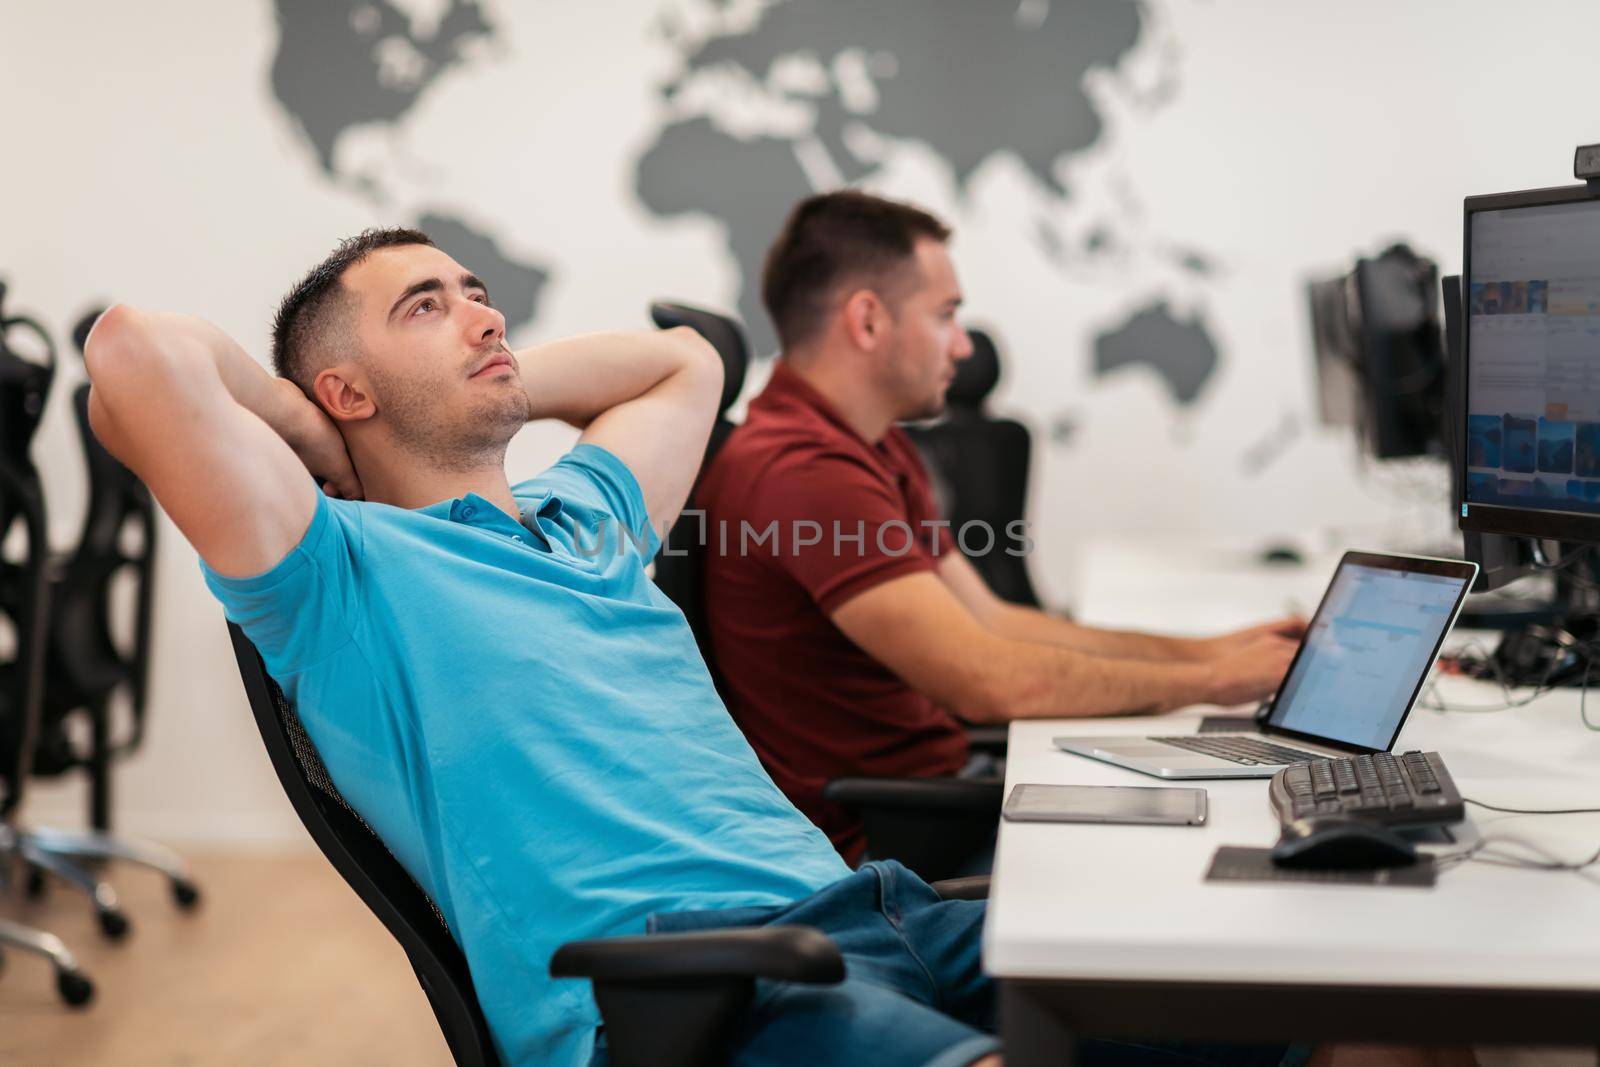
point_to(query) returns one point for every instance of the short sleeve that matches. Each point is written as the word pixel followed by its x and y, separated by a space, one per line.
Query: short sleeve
pixel 597 480
pixel 300 611
pixel 842 529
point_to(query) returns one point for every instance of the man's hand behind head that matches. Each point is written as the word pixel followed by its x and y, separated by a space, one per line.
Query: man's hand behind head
pixel 315 438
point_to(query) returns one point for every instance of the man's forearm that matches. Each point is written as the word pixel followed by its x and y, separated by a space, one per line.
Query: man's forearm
pixel 579 378
pixel 141 350
pixel 1028 624
pixel 1027 681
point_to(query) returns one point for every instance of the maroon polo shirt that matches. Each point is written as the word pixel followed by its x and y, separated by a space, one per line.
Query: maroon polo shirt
pixel 801 516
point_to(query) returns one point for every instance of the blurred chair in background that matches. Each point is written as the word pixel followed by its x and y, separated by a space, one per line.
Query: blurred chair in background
pixel 85 669
pixel 24 592
pixel 980 466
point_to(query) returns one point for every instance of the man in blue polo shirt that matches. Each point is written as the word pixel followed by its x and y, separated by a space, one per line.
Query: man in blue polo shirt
pixel 490 677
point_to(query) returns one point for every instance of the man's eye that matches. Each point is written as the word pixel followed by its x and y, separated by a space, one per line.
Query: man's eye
pixel 423 304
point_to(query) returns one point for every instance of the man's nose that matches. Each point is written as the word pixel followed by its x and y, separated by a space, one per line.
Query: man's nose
pixel 488 324
pixel 963 347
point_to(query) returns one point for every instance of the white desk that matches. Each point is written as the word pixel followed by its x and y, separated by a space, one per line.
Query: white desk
pixel 1101 930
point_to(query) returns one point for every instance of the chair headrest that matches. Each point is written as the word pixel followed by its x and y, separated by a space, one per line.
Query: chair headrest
pixel 725 335
pixel 977 375
pixel 80 332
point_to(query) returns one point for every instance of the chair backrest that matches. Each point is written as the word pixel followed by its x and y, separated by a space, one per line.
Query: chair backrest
pixel 24 603
pixel 84 664
pixel 24 578
pixel 981 464
pixel 679 566
pixel 359 855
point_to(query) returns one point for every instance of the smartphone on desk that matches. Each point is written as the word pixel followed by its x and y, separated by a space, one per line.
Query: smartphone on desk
pixel 1128 805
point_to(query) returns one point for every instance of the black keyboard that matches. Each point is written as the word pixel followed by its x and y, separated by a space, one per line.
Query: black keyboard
pixel 1413 789
pixel 1249 751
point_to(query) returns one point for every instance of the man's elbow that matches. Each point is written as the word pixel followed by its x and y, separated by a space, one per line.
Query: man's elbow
pixel 701 360
pixel 985 695
pixel 109 341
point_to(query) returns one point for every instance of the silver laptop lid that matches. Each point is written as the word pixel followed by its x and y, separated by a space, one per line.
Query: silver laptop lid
pixel 1368 649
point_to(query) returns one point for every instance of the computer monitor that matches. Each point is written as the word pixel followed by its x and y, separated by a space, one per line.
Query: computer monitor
pixel 1380 354
pixel 1501 559
pixel 1529 459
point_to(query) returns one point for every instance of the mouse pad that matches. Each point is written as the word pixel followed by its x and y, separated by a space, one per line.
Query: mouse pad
pixel 1235 864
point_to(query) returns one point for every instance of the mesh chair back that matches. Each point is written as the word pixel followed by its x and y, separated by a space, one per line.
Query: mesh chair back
pixel 981 464
pixel 84 664
pixel 358 854
pixel 24 592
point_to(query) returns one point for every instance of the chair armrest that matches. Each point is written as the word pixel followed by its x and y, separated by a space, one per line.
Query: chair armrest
pixel 973 887
pixel 922 794
pixel 992 739
pixel 790 953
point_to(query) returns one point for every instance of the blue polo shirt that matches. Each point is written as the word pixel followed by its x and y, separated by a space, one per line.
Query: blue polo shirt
pixel 525 720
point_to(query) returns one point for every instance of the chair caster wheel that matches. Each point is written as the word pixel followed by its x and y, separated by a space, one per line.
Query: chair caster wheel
pixel 113 924
pixel 33 887
pixel 74 988
pixel 185 894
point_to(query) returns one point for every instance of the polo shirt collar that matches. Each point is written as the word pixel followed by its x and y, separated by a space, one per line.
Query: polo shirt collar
pixel 537 515
pixel 787 386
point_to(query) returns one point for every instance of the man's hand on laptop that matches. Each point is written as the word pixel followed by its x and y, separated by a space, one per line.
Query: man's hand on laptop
pixel 318 443
pixel 1289 628
pixel 1252 669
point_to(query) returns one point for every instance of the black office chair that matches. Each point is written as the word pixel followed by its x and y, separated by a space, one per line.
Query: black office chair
pixel 667 1000
pixel 679 564
pixel 24 598
pixel 84 666
pixel 931 825
pixel 85 670
pixel 981 463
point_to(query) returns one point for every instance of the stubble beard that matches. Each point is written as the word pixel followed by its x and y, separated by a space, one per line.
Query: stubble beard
pixel 412 412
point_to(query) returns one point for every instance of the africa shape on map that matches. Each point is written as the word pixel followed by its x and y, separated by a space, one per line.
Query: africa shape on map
pixel 346 63
pixel 967 78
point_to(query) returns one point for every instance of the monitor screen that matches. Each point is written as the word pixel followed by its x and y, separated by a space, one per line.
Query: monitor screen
pixel 1531 441
pixel 1367 651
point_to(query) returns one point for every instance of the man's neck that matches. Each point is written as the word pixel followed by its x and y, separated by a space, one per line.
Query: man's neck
pixel 851 398
pixel 416 484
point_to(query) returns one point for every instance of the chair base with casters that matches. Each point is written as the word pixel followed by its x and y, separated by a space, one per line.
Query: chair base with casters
pixel 931 825
pixel 74 857
pixel 71 983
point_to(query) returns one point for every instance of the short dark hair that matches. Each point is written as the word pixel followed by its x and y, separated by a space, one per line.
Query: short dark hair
pixel 828 239
pixel 313 315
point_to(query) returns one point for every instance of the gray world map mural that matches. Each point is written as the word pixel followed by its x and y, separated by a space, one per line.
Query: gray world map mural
pixel 967 78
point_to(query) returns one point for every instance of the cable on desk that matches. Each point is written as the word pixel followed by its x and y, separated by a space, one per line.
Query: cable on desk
pixel 1532 811
pixel 1455 859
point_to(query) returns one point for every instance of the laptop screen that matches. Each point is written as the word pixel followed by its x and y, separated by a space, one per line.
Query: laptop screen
pixel 1367 650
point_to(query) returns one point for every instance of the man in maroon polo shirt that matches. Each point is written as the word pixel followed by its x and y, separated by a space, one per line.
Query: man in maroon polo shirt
pixel 852 636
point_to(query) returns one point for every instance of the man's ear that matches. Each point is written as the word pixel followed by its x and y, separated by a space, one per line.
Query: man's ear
pixel 342 394
pixel 865 319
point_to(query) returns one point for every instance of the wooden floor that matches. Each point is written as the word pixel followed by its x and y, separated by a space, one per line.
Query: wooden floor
pixel 281 964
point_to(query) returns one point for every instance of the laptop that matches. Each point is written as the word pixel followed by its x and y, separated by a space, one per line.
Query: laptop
pixel 1354 679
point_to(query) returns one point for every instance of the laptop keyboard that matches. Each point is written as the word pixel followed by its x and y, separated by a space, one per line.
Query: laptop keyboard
pixel 1248 751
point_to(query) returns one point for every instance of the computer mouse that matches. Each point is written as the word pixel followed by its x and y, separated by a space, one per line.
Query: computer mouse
pixel 1285 554
pixel 1341 843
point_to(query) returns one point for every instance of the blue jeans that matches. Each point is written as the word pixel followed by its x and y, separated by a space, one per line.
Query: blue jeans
pixel 914 995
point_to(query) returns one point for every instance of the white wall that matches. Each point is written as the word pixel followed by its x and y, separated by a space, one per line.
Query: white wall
pixel 145 161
